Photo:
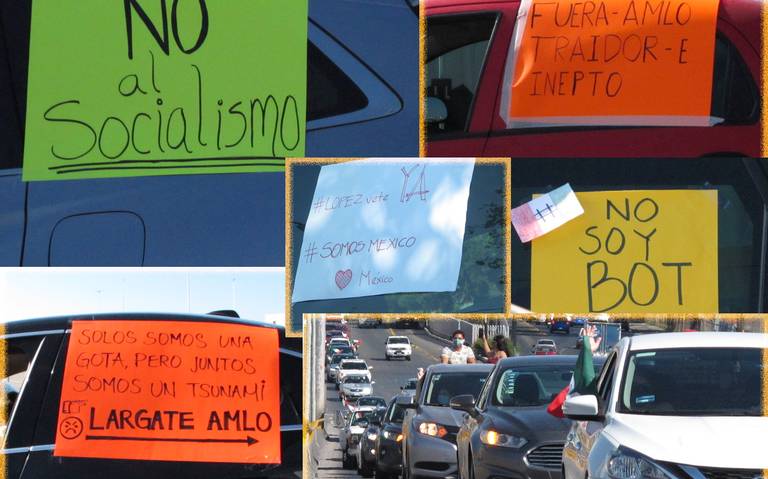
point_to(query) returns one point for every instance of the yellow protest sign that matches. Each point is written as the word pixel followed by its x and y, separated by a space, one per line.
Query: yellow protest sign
pixel 631 251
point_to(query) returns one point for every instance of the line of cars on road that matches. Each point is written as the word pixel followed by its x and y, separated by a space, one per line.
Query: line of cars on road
pixel 660 403
pixel 370 427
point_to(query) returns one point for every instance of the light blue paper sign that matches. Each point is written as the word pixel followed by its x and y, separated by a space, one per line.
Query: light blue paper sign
pixel 384 225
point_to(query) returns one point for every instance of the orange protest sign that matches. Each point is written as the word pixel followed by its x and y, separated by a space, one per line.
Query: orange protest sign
pixel 171 391
pixel 631 62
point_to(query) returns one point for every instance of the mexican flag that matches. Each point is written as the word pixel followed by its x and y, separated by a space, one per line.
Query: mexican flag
pixel 583 380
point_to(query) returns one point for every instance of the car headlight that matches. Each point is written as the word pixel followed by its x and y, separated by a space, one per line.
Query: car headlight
pixel 493 438
pixel 432 429
pixel 372 436
pixel 625 463
pixel 392 435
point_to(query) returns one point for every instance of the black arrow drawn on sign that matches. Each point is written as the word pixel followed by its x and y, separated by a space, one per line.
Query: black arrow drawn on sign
pixel 248 439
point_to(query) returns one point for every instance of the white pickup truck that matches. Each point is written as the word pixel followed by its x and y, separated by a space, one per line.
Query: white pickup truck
pixel 398 347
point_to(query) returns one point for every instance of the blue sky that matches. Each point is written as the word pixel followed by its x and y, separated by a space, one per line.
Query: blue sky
pixel 255 293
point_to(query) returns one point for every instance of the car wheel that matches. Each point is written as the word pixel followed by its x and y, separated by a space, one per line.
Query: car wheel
pixel 408 358
pixel 346 460
pixel 365 469
pixel 388 358
pixel 383 475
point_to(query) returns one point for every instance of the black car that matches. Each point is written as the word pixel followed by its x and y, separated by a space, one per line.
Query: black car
pixel 36 354
pixel 508 432
pixel 388 452
pixel 366 449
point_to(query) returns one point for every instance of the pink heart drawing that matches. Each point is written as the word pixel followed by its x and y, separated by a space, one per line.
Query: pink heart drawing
pixel 343 278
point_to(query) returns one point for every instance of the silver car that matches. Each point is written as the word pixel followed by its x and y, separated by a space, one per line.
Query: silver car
pixel 355 386
pixel 430 425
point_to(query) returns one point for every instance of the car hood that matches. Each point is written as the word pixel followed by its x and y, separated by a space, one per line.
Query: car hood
pixel 728 442
pixel 532 423
pixel 441 415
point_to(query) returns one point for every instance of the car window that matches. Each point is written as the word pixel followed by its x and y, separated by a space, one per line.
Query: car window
pixel 735 97
pixel 19 355
pixel 605 380
pixel 353 365
pixel 442 387
pixel 395 413
pixel 531 386
pixel 693 382
pixel 741 188
pixel 457 46
pixel 329 91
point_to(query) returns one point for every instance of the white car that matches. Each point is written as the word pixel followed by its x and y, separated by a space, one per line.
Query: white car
pixel 672 406
pixel 398 347
pixel 353 367
pixel 544 342
pixel 355 386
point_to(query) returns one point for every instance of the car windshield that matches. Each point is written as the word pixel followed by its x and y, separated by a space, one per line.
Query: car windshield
pixel 342 349
pixel 531 385
pixel 353 365
pixel 370 401
pixel 693 382
pixel 397 341
pixel 356 380
pixel 395 413
pixel 339 357
pixel 443 386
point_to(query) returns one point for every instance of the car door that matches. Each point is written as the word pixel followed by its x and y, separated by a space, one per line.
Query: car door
pixel 584 434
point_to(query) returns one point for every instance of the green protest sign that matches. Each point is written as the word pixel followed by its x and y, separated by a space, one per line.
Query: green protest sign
pixel 156 87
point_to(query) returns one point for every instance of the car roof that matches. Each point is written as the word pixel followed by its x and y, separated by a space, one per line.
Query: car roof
pixel 458 368
pixel 453 3
pixel 396 336
pixel 707 339
pixel 559 360
pixel 17 326
pixel 351 360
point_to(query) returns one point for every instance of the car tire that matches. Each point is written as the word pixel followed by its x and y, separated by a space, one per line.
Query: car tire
pixel 365 469
pixel 388 358
pixel 408 358
pixel 379 474
pixel 346 460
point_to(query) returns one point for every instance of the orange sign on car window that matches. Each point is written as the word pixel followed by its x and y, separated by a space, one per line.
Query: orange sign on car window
pixel 614 62
pixel 171 391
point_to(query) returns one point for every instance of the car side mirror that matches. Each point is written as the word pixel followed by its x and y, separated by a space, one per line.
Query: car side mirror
pixel 370 368
pixel 373 382
pixel 436 111
pixel 464 402
pixel 408 402
pixel 583 408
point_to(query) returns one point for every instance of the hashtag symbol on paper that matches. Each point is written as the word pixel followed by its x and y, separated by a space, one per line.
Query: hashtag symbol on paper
pixel 318 204
pixel 310 252
pixel 548 211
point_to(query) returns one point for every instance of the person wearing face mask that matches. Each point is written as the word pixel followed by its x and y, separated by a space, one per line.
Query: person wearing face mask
pixel 457 352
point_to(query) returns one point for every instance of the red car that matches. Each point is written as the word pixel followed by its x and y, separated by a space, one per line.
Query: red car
pixel 467 47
